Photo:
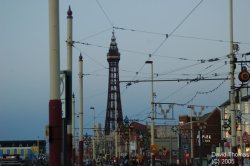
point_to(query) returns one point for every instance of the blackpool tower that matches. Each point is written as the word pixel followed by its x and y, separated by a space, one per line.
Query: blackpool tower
pixel 114 108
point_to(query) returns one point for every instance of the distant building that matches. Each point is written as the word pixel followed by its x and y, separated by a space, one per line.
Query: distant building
pixel 242 122
pixel 211 135
pixel 23 148
pixel 167 141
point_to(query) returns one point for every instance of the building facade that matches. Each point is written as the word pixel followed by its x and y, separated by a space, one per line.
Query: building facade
pixel 208 128
pixel 242 123
pixel 23 148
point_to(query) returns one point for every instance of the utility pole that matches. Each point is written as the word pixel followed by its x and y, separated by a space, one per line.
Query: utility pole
pixel 73 129
pixel 178 131
pixel 55 105
pixel 94 139
pixel 232 86
pixel 152 132
pixel 191 133
pixel 240 123
pixel 80 111
pixel 69 88
pixel 152 104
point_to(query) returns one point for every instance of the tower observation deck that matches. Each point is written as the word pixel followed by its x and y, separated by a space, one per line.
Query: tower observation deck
pixel 114 109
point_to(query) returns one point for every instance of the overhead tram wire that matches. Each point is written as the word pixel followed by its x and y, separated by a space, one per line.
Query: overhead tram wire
pixel 214 69
pixel 89 56
pixel 207 92
pixel 190 100
pixel 178 35
pixel 105 14
pixel 202 75
pixel 179 69
pixel 166 37
pixel 185 67
pixel 95 34
pixel 197 93
pixel 173 93
pixel 201 61
pixel 177 27
pixel 133 51
pixel 206 39
pixel 144 53
pixel 175 80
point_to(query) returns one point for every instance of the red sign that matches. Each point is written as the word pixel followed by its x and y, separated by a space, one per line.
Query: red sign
pixel 245 137
pixel 154 148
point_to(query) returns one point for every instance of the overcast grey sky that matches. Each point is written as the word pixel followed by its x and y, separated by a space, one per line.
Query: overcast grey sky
pixel 197 30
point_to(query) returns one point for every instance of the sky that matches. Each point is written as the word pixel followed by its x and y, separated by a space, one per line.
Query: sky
pixel 177 35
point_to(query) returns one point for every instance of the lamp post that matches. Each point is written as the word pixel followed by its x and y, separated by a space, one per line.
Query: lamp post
pixel 177 130
pixel 73 129
pixel 69 68
pixel 127 132
pixel 128 128
pixel 152 104
pixel 191 133
pixel 232 85
pixel 94 152
pixel 80 110
pixel 202 126
pixel 152 132
pixel 55 105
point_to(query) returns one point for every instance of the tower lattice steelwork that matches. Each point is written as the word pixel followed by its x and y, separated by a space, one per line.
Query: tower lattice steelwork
pixel 114 98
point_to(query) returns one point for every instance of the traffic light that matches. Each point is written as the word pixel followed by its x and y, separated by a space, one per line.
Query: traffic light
pixel 244 75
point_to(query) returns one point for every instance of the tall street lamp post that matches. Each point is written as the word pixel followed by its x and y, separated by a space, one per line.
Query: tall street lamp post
pixel 152 104
pixel 177 130
pixel 152 111
pixel 94 152
pixel 73 129
pixel 127 132
pixel 232 85
pixel 202 126
pixel 191 133
pixel 80 110
pixel 55 105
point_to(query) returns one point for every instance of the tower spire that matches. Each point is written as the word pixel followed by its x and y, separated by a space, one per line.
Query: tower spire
pixel 114 98
pixel 113 44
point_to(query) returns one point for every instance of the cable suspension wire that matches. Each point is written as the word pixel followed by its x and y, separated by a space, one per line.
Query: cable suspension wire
pixel 97 33
pixel 166 37
pixel 179 69
pixel 175 92
pixel 187 103
pixel 144 53
pixel 214 69
pixel 105 14
pixel 100 64
pixel 177 35
pixel 207 92
pixel 178 104
pixel 159 74
pixel 178 26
